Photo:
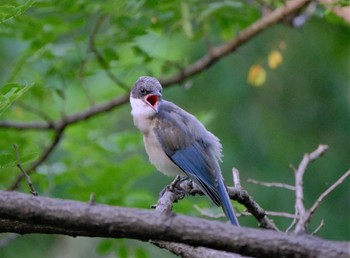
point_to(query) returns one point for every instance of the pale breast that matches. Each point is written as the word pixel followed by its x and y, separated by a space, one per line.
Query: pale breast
pixel 158 158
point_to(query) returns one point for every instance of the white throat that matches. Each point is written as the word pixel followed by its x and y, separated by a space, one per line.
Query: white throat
pixel 142 114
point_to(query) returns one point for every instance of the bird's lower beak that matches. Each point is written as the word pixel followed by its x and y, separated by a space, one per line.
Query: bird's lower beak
pixel 153 100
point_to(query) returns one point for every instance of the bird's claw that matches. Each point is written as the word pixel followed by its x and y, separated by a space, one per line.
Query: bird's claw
pixel 175 187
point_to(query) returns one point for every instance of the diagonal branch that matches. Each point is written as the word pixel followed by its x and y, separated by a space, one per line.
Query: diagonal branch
pixel 40 160
pixel 213 55
pixel 319 200
pixel 100 57
pixel 244 36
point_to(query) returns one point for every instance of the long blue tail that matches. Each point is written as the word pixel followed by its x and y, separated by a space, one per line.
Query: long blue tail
pixel 226 203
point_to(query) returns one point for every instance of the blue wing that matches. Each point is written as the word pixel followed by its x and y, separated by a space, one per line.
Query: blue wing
pixel 192 162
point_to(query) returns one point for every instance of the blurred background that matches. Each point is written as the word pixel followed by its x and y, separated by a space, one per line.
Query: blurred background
pixel 275 98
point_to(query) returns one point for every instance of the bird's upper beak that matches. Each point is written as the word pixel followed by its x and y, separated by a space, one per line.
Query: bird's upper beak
pixel 153 100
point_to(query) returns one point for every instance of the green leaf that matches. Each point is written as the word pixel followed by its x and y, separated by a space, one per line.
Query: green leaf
pixel 7 160
pixel 8 11
pixel 214 7
pixel 29 157
pixel 9 93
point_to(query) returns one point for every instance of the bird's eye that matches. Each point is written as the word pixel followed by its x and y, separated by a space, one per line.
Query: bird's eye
pixel 143 90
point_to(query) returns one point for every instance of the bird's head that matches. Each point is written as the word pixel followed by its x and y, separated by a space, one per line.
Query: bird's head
pixel 147 92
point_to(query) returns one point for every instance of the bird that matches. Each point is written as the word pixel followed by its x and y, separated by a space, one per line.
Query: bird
pixel 177 143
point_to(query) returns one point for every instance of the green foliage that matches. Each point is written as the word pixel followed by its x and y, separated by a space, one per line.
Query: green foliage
pixel 9 93
pixel 51 45
pixel 12 9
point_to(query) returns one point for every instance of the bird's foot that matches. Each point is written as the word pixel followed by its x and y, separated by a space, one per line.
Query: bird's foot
pixel 175 187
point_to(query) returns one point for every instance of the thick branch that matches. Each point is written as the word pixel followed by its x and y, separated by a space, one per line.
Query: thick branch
pixel 214 55
pixel 116 222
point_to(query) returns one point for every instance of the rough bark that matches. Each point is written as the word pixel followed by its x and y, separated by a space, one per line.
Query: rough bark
pixel 22 213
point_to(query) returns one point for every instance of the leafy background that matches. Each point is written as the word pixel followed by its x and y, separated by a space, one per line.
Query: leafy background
pixel 265 122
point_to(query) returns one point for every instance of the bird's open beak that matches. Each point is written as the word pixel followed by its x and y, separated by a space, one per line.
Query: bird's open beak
pixel 153 100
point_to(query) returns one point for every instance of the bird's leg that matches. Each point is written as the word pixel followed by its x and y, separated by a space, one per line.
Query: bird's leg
pixel 175 186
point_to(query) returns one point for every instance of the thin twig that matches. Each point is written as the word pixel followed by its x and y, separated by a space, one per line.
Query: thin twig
pixel 272 184
pixel 318 228
pixel 208 214
pixel 24 173
pixel 270 213
pixel 294 222
pixel 324 195
pixel 281 214
pixel 299 191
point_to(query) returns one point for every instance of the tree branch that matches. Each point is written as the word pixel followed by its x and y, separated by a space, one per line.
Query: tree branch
pixel 254 29
pixel 40 160
pixel 327 192
pixel 47 215
pixel 253 208
pixel 69 119
pixel 103 63
pixel 272 184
